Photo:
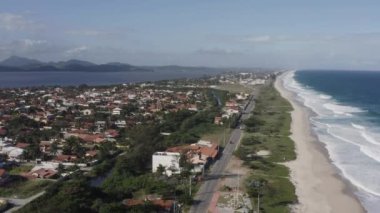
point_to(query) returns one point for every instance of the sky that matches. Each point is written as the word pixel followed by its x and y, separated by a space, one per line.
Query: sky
pixel 293 34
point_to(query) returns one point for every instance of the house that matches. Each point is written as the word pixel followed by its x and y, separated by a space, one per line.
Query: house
pixel 169 160
pixel 120 123
pixel 111 133
pixel 218 120
pixel 43 173
pixel 45 146
pixel 232 111
pixel 193 107
pixel 199 154
pixel 116 111
pixel 207 149
pixel 242 96
pixel 65 158
pixel 86 137
pixel 92 138
pixel 231 103
pixel 13 153
pixel 91 154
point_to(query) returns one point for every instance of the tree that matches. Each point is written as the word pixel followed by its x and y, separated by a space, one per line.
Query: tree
pixel 186 165
pixel 60 169
pixel 54 148
pixel 73 147
pixel 32 152
pixel 160 170
pixel 112 207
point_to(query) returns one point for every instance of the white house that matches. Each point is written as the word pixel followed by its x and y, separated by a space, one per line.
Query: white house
pixel 120 123
pixel 116 111
pixel 169 160
pixel 13 153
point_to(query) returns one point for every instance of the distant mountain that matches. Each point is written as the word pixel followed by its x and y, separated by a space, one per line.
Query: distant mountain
pixel 15 63
pixel 72 62
pixel 20 64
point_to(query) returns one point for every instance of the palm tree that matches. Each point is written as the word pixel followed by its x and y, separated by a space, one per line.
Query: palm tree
pixel 54 148
pixel 160 169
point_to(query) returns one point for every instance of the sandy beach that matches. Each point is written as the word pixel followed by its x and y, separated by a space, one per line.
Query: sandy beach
pixel 318 185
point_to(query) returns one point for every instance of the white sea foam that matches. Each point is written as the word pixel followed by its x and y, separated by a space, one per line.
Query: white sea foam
pixel 352 143
pixel 357 126
pixel 369 138
pixel 326 97
pixel 341 109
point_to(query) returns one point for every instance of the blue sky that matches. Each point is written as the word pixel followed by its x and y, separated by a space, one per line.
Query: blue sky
pixel 246 33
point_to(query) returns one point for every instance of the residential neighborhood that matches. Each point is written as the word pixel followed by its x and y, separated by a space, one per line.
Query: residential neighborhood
pixel 52 133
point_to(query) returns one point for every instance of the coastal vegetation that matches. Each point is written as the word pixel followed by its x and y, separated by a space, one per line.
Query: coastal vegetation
pixel 264 148
pixel 21 188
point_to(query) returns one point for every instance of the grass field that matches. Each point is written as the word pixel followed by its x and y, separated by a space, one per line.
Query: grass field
pixel 20 188
pixel 20 169
pixel 268 129
pixel 236 88
pixel 217 134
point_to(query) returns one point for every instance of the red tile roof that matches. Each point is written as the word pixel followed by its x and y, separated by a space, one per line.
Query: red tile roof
pixel 65 158
pixel 209 151
pixel 43 173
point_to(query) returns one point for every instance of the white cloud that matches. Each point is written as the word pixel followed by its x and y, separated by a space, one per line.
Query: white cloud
pixel 217 51
pixel 28 43
pixel 87 32
pixel 14 22
pixel 76 50
pixel 265 39
pixel 30 48
pixel 258 39
pixel 24 45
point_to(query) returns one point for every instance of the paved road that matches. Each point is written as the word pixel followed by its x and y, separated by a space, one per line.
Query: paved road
pixel 19 203
pixel 204 195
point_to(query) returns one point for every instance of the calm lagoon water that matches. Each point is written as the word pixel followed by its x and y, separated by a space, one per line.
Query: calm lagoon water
pixel 24 79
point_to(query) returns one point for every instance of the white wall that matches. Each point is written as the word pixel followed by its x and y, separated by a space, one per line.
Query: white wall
pixel 170 160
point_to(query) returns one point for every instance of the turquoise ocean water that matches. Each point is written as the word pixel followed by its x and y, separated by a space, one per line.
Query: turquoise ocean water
pixel 346 118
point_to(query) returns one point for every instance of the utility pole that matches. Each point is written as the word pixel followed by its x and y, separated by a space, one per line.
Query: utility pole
pixel 258 184
pixel 258 202
pixel 224 139
pixel 190 186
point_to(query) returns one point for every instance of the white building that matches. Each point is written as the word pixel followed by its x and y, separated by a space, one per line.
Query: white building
pixel 116 111
pixel 121 123
pixel 13 153
pixel 169 160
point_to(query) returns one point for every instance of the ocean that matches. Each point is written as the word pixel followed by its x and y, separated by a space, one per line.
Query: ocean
pixel 346 118
pixel 26 79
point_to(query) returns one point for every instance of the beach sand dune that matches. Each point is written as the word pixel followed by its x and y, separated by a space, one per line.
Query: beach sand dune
pixel 318 185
